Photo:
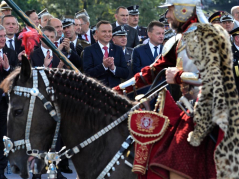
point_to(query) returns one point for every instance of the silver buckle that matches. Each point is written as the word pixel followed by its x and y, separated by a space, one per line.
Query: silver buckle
pixel 66 154
pixel 48 102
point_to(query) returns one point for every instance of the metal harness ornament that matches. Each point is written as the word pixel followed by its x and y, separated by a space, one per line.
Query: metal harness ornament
pixel 52 158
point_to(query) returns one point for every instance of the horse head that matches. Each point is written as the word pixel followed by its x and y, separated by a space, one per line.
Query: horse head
pixel 19 125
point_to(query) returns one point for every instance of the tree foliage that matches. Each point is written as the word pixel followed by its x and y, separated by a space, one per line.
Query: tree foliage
pixel 97 9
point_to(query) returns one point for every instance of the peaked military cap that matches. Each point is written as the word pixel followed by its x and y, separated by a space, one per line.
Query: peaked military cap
pixel 67 22
pixel 82 12
pixel 163 19
pixel 4 6
pixel 120 30
pixel 234 32
pixel 215 16
pixel 44 11
pixel 226 17
pixel 93 29
pixel 133 10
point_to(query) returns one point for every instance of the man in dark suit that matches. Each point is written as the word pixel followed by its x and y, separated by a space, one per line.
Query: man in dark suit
pixel 146 55
pixel 235 51
pixel 45 56
pixel 85 33
pixel 134 22
pixel 122 17
pixel 103 60
pixel 10 23
pixel 120 39
pixel 8 61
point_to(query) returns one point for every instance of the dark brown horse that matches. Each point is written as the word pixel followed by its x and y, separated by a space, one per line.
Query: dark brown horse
pixel 86 107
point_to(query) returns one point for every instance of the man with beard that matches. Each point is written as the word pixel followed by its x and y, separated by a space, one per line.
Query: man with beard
pixel 147 54
pixel 175 157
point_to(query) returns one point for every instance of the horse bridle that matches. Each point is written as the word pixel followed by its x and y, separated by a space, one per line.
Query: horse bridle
pixel 52 157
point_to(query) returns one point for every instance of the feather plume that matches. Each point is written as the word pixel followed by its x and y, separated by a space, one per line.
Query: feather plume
pixel 30 39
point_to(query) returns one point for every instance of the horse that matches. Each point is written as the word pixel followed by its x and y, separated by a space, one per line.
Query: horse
pixel 86 107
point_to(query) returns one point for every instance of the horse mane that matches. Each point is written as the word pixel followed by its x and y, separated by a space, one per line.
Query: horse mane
pixel 82 96
pixel 7 83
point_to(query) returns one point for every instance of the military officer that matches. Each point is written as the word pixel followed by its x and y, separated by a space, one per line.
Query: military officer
pixel 134 20
pixel 120 39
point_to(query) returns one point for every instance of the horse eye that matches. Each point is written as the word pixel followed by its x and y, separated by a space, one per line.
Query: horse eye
pixel 17 112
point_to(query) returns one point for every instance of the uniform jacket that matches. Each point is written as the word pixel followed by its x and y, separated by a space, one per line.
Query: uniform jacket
pixel 132 35
pixel 236 65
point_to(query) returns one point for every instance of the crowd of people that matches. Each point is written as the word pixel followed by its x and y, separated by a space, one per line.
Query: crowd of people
pixel 110 52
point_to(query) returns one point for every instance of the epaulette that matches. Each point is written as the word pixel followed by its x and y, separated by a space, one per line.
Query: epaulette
pixel 170 43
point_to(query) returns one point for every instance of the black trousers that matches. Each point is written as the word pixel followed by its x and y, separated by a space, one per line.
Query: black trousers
pixel 3 131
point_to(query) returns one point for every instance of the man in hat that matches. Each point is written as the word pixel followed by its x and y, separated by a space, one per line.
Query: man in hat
pixel 147 54
pixel 70 41
pixel 122 16
pixel 103 60
pixel 44 17
pixel 85 33
pixel 120 38
pixel 227 21
pixel 215 17
pixel 235 51
pixel 175 154
pixel 84 43
pixel 134 20
pixel 5 9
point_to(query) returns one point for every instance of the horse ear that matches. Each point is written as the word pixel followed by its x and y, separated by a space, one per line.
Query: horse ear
pixel 25 73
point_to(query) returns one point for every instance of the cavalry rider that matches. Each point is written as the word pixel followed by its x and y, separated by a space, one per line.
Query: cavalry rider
pixel 176 158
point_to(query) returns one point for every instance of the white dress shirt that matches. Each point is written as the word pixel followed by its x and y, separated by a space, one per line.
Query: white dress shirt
pixel 44 50
pixel 103 51
pixel 153 49
pixel 8 42
pixel 88 35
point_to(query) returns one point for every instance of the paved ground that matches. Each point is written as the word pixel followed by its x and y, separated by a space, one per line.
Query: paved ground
pixel 68 176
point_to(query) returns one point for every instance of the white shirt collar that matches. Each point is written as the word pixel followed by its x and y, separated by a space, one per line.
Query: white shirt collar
pixel 236 46
pixel 152 46
pixel 74 42
pixel 27 28
pixel 135 27
pixel 153 49
pixel 101 47
pixel 44 50
pixel 88 35
pixel 117 24
pixel 8 43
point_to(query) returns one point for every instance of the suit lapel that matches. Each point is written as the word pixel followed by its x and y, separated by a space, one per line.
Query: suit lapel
pixel 111 51
pixel 149 52
pixel 98 51
pixel 41 57
pixel 92 38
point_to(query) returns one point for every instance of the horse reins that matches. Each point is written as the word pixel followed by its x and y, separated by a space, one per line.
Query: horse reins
pixel 52 155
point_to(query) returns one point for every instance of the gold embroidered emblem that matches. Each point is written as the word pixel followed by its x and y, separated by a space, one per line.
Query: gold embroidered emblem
pixel 142 154
pixel 147 123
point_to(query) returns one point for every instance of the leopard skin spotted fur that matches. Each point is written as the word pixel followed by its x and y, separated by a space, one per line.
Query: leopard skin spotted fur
pixel 210 49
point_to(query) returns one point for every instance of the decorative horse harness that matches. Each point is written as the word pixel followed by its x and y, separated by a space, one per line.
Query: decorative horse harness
pixel 52 157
